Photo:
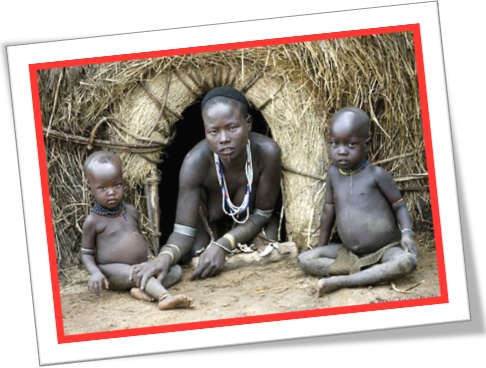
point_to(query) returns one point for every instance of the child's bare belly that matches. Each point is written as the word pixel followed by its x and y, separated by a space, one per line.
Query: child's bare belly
pixel 365 231
pixel 125 247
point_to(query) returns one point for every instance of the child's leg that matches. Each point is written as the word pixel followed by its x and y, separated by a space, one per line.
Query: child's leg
pixel 166 300
pixel 395 263
pixel 118 275
pixel 318 260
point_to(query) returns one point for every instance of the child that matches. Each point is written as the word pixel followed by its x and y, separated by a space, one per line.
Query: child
pixel 112 242
pixel 372 220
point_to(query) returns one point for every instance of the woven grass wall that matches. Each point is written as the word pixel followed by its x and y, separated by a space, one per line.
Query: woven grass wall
pixel 132 107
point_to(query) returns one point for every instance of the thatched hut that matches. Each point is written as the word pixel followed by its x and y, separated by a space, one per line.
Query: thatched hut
pixel 148 112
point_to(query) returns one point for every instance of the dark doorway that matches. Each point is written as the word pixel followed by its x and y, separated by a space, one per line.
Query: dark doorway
pixel 189 132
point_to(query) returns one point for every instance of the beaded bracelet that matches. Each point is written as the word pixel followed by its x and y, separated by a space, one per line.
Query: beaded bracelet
pixel 170 254
pixel 409 230
pixel 221 246
pixel 231 239
pixel 175 247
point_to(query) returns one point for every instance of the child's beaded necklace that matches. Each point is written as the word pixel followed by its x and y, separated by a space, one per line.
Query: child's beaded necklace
pixel 228 207
pixel 354 170
pixel 120 210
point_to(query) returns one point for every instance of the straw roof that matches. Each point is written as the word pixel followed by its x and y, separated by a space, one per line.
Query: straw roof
pixel 132 108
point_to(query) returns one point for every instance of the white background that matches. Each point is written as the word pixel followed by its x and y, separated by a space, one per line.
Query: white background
pixel 25 23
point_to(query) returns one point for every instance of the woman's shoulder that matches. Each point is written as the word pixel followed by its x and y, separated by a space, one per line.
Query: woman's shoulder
pixel 264 144
pixel 199 153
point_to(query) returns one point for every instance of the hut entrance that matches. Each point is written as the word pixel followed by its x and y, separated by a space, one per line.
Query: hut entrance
pixel 189 132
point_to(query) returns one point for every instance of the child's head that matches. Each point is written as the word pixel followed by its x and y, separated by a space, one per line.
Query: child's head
pixel 104 177
pixel 349 137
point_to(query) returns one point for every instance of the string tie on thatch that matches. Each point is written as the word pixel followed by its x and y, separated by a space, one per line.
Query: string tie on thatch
pixel 228 207
pixel 120 210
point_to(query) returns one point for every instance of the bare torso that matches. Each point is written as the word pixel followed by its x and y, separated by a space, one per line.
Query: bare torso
pixel 236 181
pixel 119 240
pixel 364 217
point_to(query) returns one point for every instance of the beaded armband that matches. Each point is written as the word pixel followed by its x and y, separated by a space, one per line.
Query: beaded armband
pixel 398 201
pixel 88 251
pixel 263 213
pixel 185 230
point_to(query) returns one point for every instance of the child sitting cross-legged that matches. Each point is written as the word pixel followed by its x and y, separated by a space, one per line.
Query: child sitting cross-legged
pixel 371 217
pixel 112 241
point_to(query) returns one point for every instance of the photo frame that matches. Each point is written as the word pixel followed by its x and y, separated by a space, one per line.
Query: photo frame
pixel 55 346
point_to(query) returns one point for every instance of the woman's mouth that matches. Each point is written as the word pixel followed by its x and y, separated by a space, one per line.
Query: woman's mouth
pixel 226 151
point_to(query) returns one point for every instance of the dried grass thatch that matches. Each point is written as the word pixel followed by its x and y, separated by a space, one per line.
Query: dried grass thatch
pixel 132 107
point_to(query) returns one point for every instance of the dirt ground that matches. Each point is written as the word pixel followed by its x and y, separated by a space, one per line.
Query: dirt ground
pixel 249 291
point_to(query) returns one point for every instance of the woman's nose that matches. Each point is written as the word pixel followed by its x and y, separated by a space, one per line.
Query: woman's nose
pixel 223 137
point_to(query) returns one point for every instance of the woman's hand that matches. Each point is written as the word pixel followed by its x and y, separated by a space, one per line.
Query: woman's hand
pixel 211 261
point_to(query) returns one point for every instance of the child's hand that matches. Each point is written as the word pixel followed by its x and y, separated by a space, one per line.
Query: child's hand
pixel 408 244
pixel 96 281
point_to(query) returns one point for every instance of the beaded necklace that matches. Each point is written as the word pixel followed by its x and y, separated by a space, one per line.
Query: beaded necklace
pixel 228 207
pixel 355 169
pixel 120 210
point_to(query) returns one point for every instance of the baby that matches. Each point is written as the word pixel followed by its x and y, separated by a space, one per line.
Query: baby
pixel 112 241
pixel 372 219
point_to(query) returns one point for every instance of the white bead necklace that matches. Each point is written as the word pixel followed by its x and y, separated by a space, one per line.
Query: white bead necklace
pixel 228 207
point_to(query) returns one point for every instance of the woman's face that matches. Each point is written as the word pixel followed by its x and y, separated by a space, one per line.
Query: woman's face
pixel 227 129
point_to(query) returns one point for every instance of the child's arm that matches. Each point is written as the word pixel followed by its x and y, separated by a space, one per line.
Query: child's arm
pixel 328 214
pixel 392 193
pixel 88 253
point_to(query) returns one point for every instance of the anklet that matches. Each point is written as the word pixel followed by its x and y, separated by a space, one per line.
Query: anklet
pixel 165 296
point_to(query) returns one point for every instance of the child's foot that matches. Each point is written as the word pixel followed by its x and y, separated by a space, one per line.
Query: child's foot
pixel 327 285
pixel 140 295
pixel 169 301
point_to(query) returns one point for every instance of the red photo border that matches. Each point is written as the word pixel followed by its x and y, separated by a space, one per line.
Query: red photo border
pixel 443 298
